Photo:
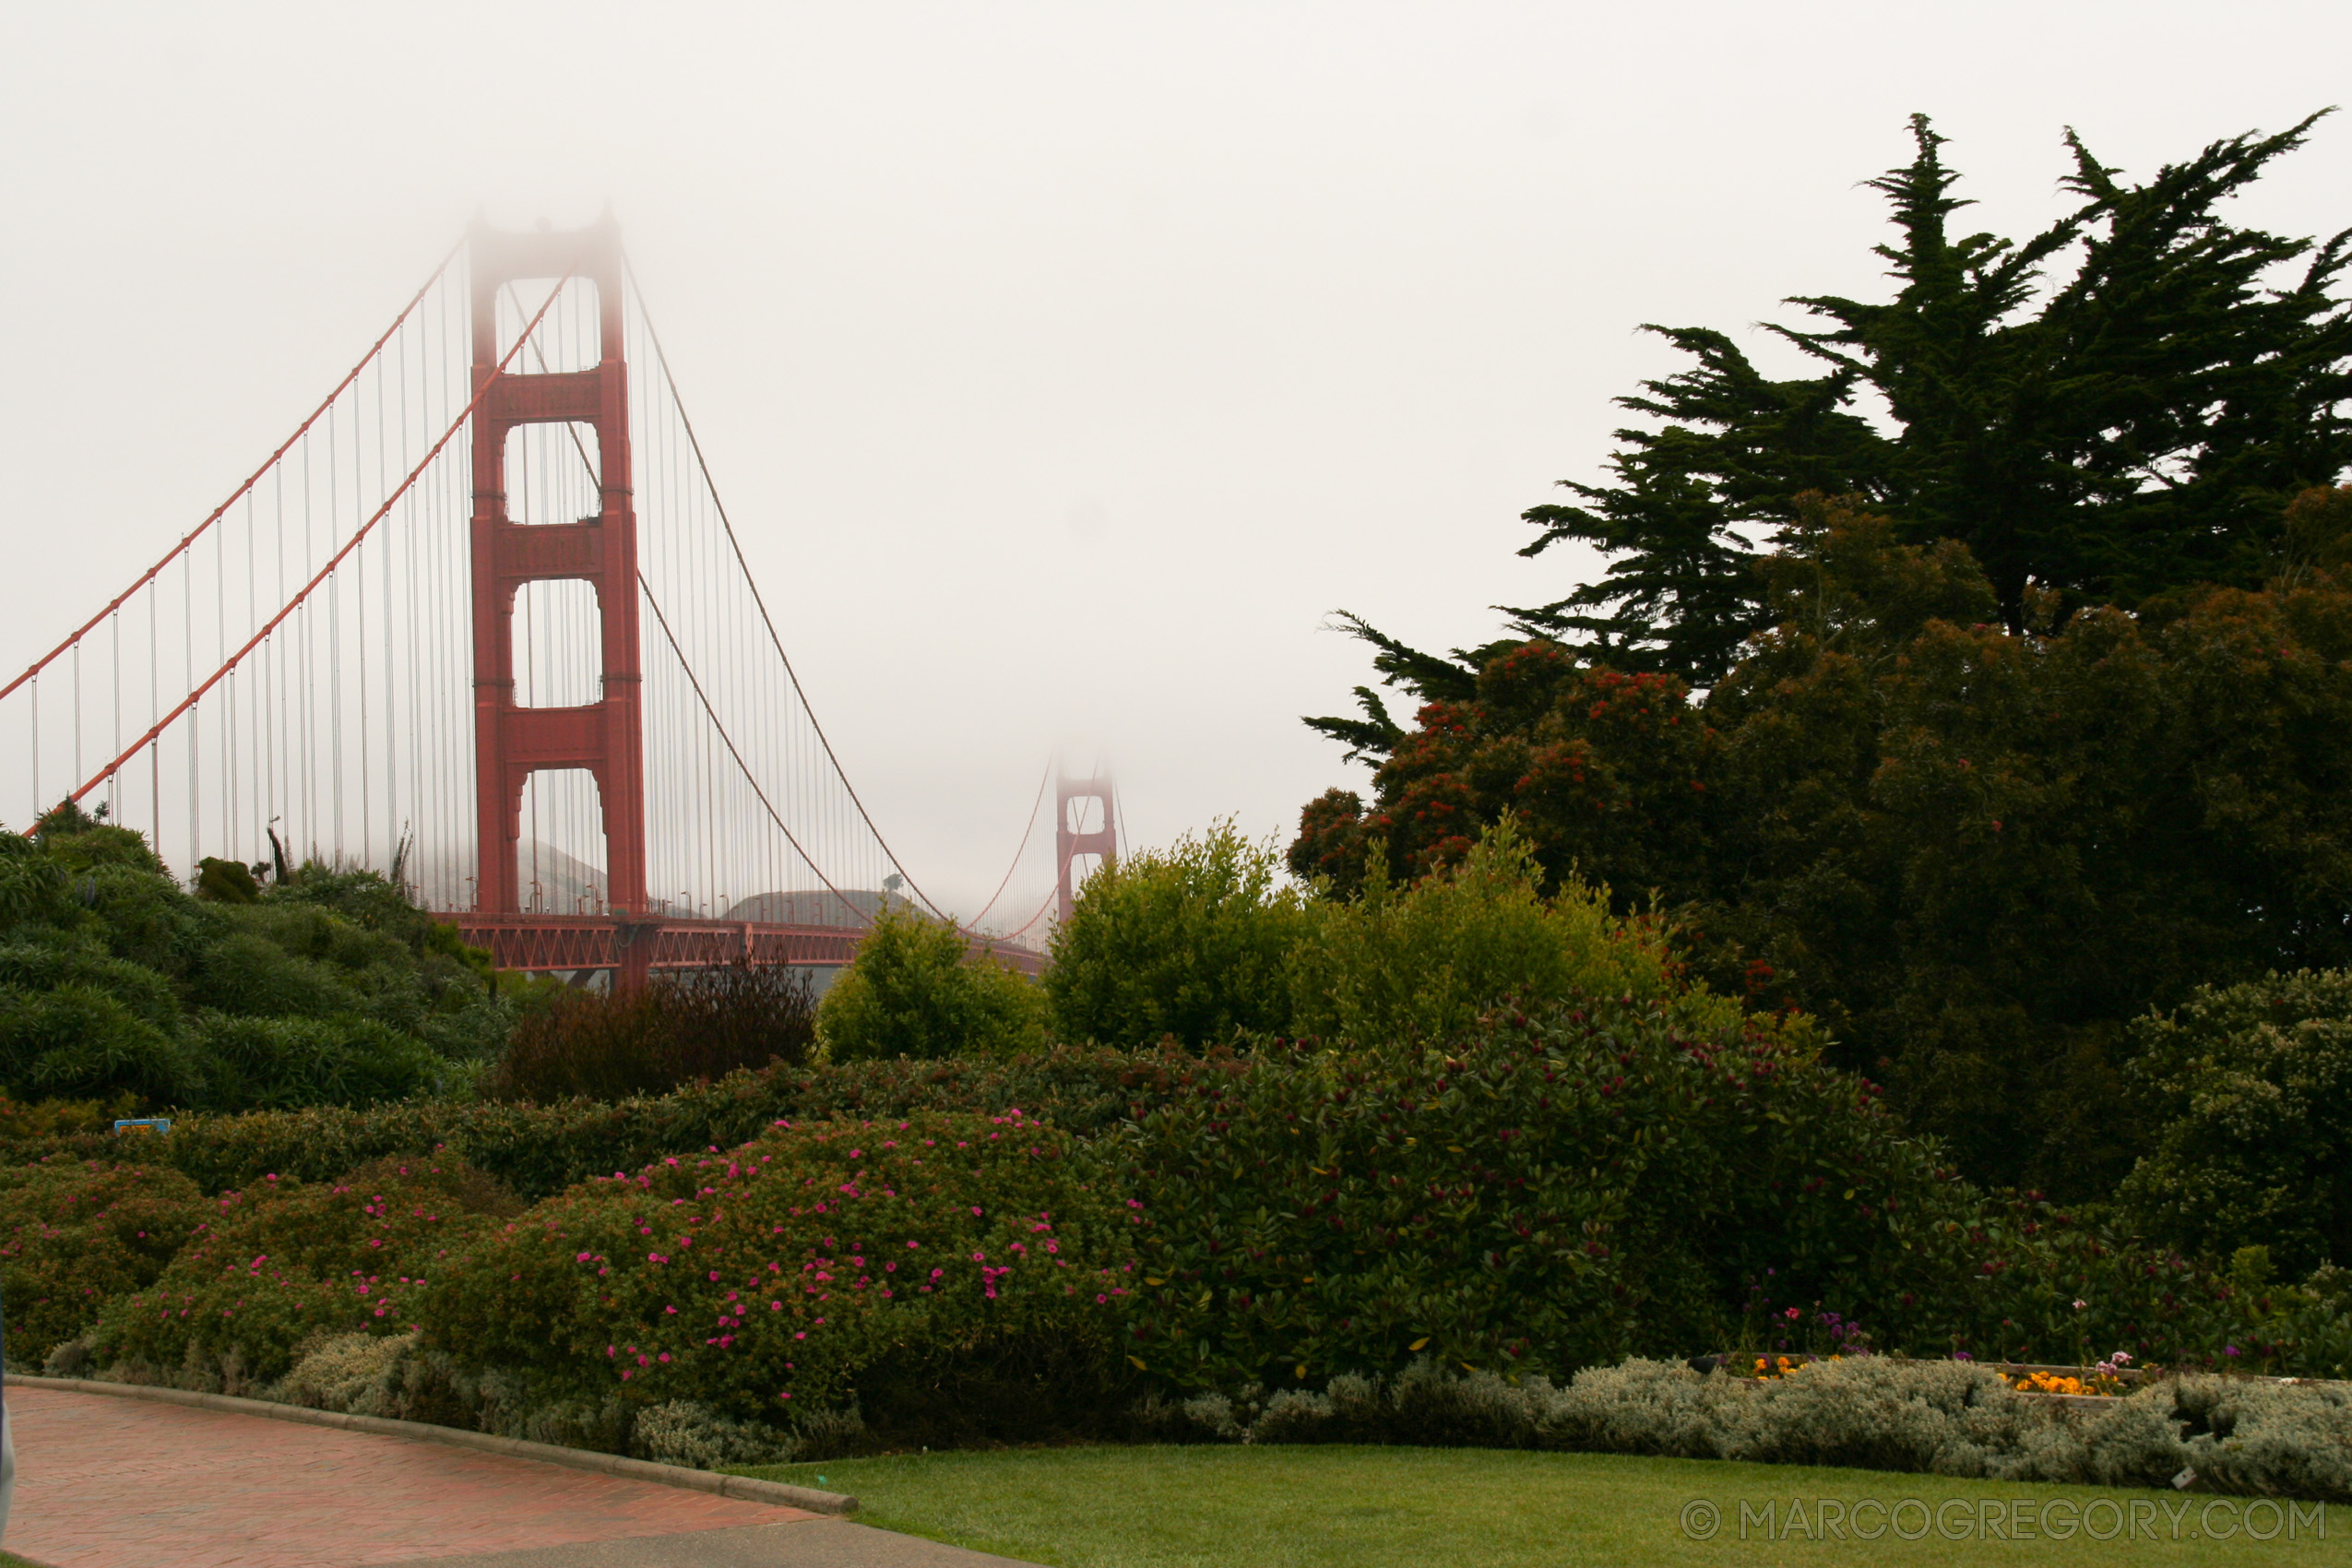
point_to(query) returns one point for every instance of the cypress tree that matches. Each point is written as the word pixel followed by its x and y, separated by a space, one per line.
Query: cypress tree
pixel 2118 406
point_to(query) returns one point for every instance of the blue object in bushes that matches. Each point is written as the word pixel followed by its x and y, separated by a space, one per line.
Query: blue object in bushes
pixel 143 1125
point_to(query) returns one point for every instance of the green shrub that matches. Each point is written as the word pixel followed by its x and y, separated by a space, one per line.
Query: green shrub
pixel 539 1149
pixel 114 982
pixel 32 885
pixel 276 1062
pixel 1625 1177
pixel 1537 1195
pixel 1420 962
pixel 2016 1277
pixel 944 1268
pixel 2246 1094
pixel 1192 942
pixel 75 1234
pixel 678 1029
pixel 46 1118
pixel 289 1260
pixel 76 1039
pixel 914 990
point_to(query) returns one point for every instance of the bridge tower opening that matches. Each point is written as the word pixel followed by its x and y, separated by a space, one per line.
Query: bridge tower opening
pixel 1097 803
pixel 605 737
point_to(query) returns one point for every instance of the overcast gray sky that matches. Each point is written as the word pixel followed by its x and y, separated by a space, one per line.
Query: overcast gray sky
pixel 1106 345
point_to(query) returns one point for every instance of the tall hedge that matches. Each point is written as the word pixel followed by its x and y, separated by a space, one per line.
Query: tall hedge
pixel 539 1150
pixel 1537 1195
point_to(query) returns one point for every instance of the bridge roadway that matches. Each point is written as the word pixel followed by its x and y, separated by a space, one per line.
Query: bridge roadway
pixel 572 943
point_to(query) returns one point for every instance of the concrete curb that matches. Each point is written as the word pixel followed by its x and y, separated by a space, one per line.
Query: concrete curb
pixel 742 1488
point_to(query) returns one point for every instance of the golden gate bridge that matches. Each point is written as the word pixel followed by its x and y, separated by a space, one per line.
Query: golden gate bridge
pixel 483 621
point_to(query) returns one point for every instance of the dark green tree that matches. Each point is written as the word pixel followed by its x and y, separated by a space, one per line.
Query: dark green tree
pixel 2118 406
pixel 1975 856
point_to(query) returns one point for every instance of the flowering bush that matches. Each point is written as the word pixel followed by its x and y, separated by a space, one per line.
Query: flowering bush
pixel 810 1267
pixel 75 1234
pixel 286 1261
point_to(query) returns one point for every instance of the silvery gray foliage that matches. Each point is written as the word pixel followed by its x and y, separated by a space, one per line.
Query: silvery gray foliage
pixel 387 1375
pixel 1941 1417
pixel 2292 1439
pixel 685 1432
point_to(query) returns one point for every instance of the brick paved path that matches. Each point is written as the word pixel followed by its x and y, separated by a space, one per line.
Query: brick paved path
pixel 109 1482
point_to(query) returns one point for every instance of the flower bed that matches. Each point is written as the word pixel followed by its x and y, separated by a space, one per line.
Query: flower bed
pixel 813 1267
pixel 75 1234
pixel 290 1261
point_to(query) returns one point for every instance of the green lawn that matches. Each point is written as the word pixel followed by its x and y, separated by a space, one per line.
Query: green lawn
pixel 1310 1507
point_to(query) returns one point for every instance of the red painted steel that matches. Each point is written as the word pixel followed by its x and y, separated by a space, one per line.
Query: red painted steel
pixel 556 943
pixel 605 737
pixel 1103 841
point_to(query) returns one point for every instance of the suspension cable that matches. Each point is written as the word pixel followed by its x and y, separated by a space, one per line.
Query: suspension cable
pixel 1027 830
pixel 694 442
pixel 325 572
pixel 663 621
pixel 176 551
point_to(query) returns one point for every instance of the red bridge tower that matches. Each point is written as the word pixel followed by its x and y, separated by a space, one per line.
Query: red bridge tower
pixel 605 737
pixel 1069 841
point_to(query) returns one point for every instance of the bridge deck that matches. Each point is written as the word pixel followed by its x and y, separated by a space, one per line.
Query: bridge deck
pixel 561 943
